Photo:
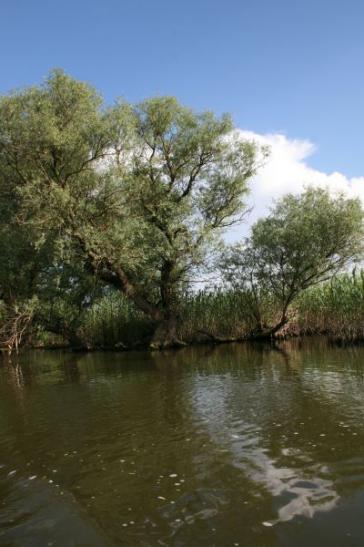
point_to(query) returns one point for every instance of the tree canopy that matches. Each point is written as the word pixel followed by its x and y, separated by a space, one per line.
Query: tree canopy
pixel 139 192
pixel 134 198
pixel 304 240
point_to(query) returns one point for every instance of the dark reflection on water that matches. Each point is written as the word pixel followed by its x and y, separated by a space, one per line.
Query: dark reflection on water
pixel 234 445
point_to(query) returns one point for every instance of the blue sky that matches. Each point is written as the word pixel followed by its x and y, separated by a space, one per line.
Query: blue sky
pixel 279 66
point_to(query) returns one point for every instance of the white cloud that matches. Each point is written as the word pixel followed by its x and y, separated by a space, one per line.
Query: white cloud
pixel 287 170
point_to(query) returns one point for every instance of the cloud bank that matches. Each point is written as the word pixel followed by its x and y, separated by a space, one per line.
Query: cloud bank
pixel 287 170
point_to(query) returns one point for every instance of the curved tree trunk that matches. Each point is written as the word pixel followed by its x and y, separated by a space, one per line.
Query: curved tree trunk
pixel 165 335
pixel 269 332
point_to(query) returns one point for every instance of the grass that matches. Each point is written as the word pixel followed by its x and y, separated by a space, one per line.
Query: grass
pixel 223 314
pixel 335 308
pixel 113 322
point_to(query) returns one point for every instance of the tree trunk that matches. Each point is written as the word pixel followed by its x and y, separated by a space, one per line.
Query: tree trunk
pixel 262 333
pixel 165 335
pixel 76 343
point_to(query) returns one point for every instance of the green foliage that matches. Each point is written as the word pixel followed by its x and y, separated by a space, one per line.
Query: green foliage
pixel 107 213
pixel 113 323
pixel 335 308
pixel 305 240
pixel 224 314
pixel 140 192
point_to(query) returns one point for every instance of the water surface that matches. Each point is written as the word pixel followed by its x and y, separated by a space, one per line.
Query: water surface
pixel 233 445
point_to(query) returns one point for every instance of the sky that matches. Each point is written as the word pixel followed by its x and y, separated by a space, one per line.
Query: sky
pixel 290 72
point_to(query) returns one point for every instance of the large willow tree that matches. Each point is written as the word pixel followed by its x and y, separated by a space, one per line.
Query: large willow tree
pixel 141 193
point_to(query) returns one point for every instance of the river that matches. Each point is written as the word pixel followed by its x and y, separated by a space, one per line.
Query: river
pixel 236 445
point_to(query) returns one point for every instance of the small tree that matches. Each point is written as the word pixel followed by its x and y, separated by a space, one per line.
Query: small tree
pixel 140 192
pixel 305 240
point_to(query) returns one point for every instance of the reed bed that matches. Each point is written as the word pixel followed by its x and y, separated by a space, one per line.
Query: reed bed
pixel 113 323
pixel 334 308
pixel 225 314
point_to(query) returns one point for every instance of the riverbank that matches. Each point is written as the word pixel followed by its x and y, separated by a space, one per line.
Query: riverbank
pixel 291 333
pixel 334 309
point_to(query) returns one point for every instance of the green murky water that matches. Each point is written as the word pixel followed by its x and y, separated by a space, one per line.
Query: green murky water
pixel 227 446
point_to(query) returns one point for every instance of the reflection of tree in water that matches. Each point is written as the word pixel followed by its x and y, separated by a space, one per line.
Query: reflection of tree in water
pixel 12 373
pixel 41 367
